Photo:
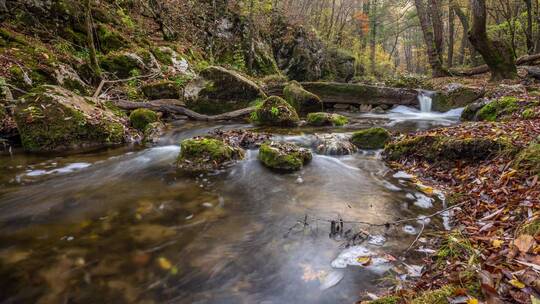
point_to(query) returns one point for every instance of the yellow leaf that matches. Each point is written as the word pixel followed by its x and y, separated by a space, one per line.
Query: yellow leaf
pixel 472 301
pixel 497 243
pixel 164 263
pixel 364 260
pixel 517 284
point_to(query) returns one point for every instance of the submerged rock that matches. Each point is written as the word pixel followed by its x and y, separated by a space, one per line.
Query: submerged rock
pixel 140 118
pixel 284 156
pixel 456 95
pixel 440 148
pixel 275 111
pixel 302 100
pixel 332 144
pixel 53 118
pixel 326 119
pixel 372 138
pixel 207 154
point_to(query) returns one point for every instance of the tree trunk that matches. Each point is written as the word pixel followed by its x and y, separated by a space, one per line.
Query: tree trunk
pixel 90 39
pixel 438 29
pixel 529 28
pixel 496 54
pixel 251 38
pixel 451 32
pixel 373 36
pixel 432 47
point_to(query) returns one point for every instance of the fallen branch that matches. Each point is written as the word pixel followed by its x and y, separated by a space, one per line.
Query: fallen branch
pixel 105 81
pixel 174 106
pixel 523 60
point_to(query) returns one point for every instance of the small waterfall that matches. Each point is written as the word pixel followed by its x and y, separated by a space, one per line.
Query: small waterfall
pixel 425 100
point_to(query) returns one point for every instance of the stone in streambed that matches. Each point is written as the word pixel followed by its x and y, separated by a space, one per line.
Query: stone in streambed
pixel 456 95
pixel 53 118
pixel 372 138
pixel 302 100
pixel 332 144
pixel 207 154
pixel 326 119
pixel 275 111
pixel 284 156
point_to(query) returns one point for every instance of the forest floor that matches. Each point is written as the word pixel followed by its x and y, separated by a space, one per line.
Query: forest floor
pixel 493 251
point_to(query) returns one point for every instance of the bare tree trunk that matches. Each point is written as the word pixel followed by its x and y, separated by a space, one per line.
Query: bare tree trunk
pixel 496 54
pixel 251 38
pixel 438 29
pixel 529 28
pixel 432 46
pixel 465 24
pixel 94 64
pixel 373 36
pixel 451 32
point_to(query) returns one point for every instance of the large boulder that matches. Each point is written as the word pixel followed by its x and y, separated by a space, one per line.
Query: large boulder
pixel 53 118
pixel 440 148
pixel 284 156
pixel 455 95
pixel 302 100
pixel 372 138
pixel 333 144
pixel 470 113
pixel 141 118
pixel 203 154
pixel 320 119
pixel 275 111
pixel 127 64
pixel 222 91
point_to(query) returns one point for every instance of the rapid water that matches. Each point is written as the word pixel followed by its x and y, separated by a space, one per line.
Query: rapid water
pixel 123 226
pixel 425 101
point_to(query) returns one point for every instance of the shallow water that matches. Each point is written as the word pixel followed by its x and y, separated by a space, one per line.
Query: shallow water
pixel 122 226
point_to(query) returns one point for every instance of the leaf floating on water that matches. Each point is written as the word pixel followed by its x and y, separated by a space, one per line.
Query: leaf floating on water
pixel 164 263
pixel 364 260
pixel 517 284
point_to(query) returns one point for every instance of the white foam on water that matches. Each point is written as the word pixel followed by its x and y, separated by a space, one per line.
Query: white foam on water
pixel 331 280
pixel 425 101
pixel 66 169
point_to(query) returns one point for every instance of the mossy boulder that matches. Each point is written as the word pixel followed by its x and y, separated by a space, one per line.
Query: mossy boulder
pixel 456 95
pixel 164 89
pixel 528 160
pixel 440 148
pixel 326 119
pixel 223 90
pixel 140 118
pixel 302 100
pixel 53 118
pixel 499 109
pixel 126 64
pixel 110 39
pixel 275 111
pixel 284 156
pixel 372 138
pixel 203 154
pixel 470 113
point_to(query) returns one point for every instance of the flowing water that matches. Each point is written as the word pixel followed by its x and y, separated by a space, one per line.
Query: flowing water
pixel 122 226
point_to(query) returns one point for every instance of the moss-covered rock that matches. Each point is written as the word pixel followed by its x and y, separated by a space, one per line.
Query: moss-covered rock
pixel 140 118
pixel 302 100
pixel 439 148
pixel 110 39
pixel 470 113
pixel 221 91
pixel 499 108
pixel 53 118
pixel 206 154
pixel 372 138
pixel 275 111
pixel 283 156
pixel 163 89
pixel 126 64
pixel 528 160
pixel 456 95
pixel 326 119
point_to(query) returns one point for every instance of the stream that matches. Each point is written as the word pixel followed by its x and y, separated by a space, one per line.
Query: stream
pixel 121 225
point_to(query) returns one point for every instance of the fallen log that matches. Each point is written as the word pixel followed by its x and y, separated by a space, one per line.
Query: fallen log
pixel 532 71
pixel 174 106
pixel 523 60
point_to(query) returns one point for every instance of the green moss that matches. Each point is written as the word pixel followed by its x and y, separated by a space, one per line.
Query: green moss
pixel 529 113
pixel 110 40
pixel 439 296
pixel 528 160
pixel 285 157
pixel 162 89
pixel 205 154
pixel 373 138
pixel 162 56
pixel 275 111
pixel 120 64
pixel 140 118
pixel 498 108
pixel 326 119
pixel 274 80
pixel 531 228
pixel 302 100
pixel 386 300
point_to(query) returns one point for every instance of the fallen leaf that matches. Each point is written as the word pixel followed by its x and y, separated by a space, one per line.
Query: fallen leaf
pixel 524 243
pixel 497 243
pixel 472 301
pixel 517 284
pixel 364 260
pixel 164 263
